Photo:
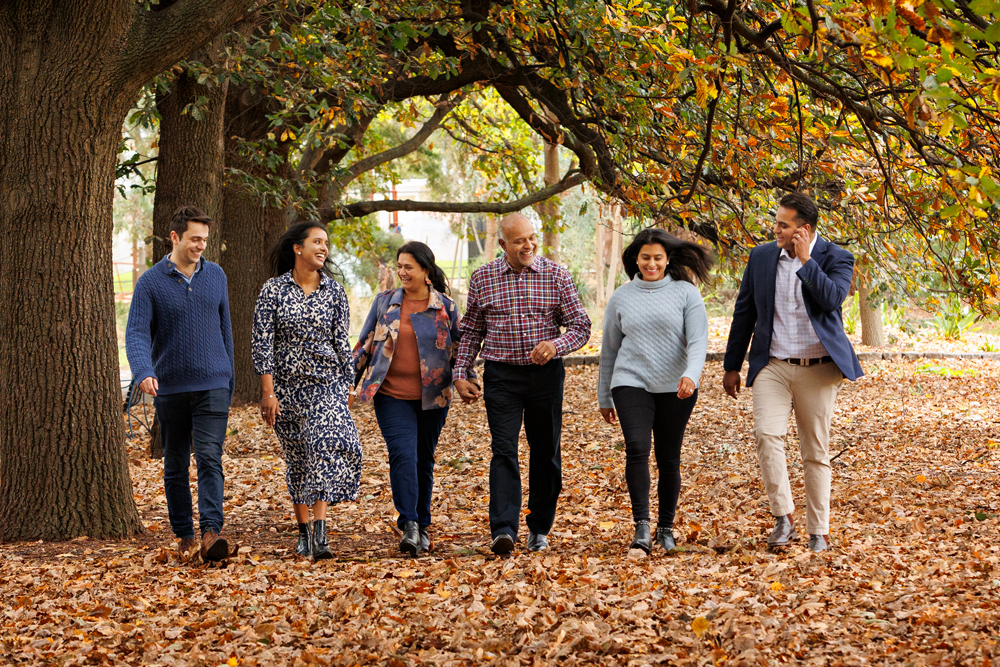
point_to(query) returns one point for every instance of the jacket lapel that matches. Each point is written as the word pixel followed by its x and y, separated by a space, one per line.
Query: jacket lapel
pixel 770 276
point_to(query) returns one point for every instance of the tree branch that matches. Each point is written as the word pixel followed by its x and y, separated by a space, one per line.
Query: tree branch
pixel 572 178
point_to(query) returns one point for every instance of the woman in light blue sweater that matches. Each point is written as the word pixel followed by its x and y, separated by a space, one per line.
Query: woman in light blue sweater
pixel 652 353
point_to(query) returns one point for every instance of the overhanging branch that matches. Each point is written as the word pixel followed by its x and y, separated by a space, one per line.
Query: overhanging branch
pixel 572 178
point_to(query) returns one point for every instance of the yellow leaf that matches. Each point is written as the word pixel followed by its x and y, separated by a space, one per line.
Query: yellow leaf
pixel 699 625
pixel 404 574
pixel 701 91
pixel 946 127
pixel 284 135
pixel 921 479
pixel 777 586
pixel 444 594
pixel 234 661
pixel 606 525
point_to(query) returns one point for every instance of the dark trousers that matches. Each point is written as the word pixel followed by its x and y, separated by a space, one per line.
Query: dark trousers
pixel 198 419
pixel 411 435
pixel 533 394
pixel 665 417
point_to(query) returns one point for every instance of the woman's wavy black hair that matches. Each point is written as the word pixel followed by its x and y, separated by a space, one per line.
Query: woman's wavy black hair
pixel 424 256
pixel 685 259
pixel 282 257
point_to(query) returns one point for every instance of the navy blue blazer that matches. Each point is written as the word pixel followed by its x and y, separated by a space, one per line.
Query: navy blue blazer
pixel 826 280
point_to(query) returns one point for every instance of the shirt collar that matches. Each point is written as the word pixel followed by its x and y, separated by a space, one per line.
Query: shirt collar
pixel 787 255
pixel 434 298
pixel 507 268
pixel 324 280
pixel 171 267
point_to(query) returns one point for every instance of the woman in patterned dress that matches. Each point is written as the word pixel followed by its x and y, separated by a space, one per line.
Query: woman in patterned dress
pixel 404 355
pixel 302 353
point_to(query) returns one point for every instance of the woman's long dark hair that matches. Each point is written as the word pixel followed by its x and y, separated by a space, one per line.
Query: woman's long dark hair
pixel 282 257
pixel 424 256
pixel 685 259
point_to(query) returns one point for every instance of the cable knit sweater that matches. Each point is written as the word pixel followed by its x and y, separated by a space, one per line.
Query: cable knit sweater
pixel 655 333
pixel 180 333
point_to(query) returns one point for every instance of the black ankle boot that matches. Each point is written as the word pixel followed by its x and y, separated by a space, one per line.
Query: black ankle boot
pixel 642 538
pixel 303 547
pixel 425 539
pixel 320 547
pixel 665 538
pixel 410 543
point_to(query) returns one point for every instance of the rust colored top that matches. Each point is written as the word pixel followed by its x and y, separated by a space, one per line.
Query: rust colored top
pixel 402 380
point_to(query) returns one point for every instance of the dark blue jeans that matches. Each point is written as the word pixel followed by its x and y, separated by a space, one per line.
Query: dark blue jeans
pixel 533 394
pixel 411 436
pixel 195 418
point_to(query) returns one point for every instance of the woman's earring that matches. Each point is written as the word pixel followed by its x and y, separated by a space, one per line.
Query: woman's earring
pixel 299 252
pixel 427 280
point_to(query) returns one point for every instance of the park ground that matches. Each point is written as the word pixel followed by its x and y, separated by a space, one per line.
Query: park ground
pixel 913 575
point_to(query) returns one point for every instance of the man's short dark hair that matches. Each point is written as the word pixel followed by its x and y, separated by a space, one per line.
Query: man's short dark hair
pixel 184 215
pixel 803 205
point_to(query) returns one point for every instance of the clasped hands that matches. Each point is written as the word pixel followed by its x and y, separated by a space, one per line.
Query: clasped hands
pixel 542 354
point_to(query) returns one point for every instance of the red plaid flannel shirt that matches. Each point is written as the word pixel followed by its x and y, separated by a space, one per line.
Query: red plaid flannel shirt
pixel 509 313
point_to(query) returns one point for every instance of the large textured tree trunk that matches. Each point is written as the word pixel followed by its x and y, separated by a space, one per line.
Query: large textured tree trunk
pixel 872 331
pixel 69 72
pixel 550 209
pixel 189 166
pixel 249 231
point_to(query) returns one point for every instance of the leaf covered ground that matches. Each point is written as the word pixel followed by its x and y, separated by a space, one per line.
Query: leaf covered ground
pixel 912 576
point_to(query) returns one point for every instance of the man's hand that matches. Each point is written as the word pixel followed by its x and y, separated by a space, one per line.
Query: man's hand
pixel 469 391
pixel 150 386
pixel 685 388
pixel 543 352
pixel 269 409
pixel 800 243
pixel 609 415
pixel 731 383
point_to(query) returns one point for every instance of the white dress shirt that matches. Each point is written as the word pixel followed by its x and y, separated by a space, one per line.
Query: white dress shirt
pixel 792 336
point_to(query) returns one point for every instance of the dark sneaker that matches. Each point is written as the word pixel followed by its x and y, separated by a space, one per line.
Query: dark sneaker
pixel 502 545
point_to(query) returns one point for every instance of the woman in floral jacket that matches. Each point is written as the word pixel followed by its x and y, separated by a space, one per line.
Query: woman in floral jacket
pixel 403 360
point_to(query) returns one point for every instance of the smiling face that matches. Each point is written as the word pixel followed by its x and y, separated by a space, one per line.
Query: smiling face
pixel 312 252
pixel 189 247
pixel 652 261
pixel 412 276
pixel 518 239
pixel 786 224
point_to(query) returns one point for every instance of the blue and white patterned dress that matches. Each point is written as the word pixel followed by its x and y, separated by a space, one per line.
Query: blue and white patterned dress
pixel 302 342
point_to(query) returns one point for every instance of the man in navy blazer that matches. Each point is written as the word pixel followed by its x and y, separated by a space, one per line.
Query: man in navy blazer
pixel 788 313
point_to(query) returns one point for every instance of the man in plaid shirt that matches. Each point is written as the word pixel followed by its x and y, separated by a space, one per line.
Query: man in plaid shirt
pixel 515 309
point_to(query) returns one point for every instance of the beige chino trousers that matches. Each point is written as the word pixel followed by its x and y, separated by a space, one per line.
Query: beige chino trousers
pixel 810 391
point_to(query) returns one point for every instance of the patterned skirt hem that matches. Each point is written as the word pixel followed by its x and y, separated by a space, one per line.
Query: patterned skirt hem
pixel 330 498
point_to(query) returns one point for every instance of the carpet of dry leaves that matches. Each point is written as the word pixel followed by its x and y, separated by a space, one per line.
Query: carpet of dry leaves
pixel 912 577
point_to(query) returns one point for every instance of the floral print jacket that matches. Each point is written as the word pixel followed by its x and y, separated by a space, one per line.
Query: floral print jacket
pixel 437 335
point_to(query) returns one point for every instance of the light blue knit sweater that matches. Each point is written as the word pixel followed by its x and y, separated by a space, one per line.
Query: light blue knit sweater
pixel 655 333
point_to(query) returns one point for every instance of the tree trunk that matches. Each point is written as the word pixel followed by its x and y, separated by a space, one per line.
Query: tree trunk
pixel 490 250
pixel 872 332
pixel 189 166
pixel 550 209
pixel 614 256
pixel 600 233
pixel 63 465
pixel 249 231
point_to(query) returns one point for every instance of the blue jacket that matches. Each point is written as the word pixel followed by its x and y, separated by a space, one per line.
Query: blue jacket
pixel 826 280
pixel 437 333
pixel 180 333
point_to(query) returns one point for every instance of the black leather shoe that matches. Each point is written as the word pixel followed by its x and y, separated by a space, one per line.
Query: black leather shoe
pixel 425 539
pixel 665 538
pixel 537 541
pixel 302 547
pixel 410 543
pixel 783 533
pixel 502 545
pixel 320 547
pixel 642 538
pixel 818 543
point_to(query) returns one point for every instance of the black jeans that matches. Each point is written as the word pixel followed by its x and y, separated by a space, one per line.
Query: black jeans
pixel 533 394
pixel 193 419
pixel 665 417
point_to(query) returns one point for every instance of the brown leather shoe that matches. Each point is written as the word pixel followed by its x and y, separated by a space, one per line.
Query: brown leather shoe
pixel 783 533
pixel 213 547
pixel 187 546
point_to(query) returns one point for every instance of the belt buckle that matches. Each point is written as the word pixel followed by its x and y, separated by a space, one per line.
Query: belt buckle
pixel 806 362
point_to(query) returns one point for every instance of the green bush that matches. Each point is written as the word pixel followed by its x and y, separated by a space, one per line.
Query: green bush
pixel 954 321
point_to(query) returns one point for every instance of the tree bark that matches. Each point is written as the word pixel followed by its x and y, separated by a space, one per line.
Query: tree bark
pixel 872 331
pixel 550 209
pixel 490 249
pixel 189 166
pixel 249 231
pixel 69 73
pixel 614 256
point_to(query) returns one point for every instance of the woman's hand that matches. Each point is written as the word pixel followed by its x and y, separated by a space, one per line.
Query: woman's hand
pixel 269 409
pixel 685 388
pixel 609 415
pixel 350 399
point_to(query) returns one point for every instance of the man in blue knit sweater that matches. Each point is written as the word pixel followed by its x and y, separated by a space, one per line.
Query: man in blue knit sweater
pixel 179 342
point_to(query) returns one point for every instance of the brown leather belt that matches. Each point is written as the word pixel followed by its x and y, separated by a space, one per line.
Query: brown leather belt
pixel 808 362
